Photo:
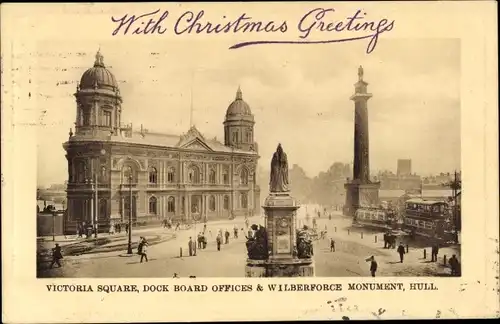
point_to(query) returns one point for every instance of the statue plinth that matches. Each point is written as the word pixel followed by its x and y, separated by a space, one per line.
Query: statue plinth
pixel 283 253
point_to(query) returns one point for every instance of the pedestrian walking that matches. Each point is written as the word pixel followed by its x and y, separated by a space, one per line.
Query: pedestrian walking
pixel 227 236
pixel 144 250
pixel 219 242
pixel 199 240
pixel 204 239
pixel 56 256
pixel 454 265
pixel 330 217
pixel 235 232
pixel 401 251
pixel 127 228
pixel 332 245
pixel 434 252
pixel 373 265
pixel 191 246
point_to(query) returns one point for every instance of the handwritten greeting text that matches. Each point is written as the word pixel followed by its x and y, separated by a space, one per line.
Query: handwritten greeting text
pixel 315 27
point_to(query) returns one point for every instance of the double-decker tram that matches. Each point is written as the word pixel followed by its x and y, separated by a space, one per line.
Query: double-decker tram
pixel 427 218
pixel 376 218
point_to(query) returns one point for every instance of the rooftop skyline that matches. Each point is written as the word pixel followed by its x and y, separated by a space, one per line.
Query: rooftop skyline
pixel 299 98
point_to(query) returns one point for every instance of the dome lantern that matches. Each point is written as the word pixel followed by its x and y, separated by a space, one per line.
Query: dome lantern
pixel 238 107
pixel 98 77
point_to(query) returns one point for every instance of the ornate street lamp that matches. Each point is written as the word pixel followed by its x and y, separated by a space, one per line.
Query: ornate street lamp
pixel 129 248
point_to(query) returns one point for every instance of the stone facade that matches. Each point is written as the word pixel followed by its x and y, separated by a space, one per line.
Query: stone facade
pixel 151 175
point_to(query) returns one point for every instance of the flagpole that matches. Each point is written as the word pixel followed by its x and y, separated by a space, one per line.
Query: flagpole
pixel 191 104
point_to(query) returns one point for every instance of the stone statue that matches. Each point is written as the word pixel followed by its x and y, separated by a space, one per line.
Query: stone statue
pixel 279 171
pixel 257 245
pixel 304 244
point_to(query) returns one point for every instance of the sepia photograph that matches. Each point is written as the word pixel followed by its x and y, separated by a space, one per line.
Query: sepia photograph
pixel 185 160
pixel 265 161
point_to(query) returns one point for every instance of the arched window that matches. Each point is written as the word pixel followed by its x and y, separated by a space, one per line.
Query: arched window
pixel 244 176
pixel 152 205
pixel 211 203
pixel 171 175
pixel 171 205
pixel 103 209
pixel 244 200
pixel 153 175
pixel 212 176
pixel 249 137
pixel 225 175
pixel 103 175
pixel 235 136
pixel 194 175
pixel 195 204
pixel 81 170
pixel 106 118
pixel 128 175
pixel 86 117
pixel 226 202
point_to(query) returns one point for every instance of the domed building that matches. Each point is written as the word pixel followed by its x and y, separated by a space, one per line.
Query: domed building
pixel 115 171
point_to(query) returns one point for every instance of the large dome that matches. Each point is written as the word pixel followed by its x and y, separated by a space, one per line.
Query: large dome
pixel 98 76
pixel 238 107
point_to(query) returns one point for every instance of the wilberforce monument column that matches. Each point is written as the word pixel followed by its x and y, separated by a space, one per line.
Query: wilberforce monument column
pixel 279 249
pixel 360 190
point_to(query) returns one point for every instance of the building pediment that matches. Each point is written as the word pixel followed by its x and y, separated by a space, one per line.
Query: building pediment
pixel 197 144
pixel 194 140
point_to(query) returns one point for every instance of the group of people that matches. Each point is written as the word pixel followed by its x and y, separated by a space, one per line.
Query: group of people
pixel 221 238
pixel 117 228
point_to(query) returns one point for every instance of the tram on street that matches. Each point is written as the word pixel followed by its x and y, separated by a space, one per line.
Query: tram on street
pixel 379 218
pixel 428 218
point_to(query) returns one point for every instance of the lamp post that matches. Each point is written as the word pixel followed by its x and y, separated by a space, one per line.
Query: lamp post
pixel 53 226
pixel 129 247
pixel 96 192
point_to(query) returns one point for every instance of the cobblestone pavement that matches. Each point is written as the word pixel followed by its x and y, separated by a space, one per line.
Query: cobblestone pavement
pixel 347 261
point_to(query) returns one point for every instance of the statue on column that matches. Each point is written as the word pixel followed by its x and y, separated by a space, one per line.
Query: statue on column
pixel 279 171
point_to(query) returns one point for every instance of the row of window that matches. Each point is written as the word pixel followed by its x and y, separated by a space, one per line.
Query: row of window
pixel 426 208
pixel 371 215
pixel 236 136
pixel 194 175
pixel 104 120
pixel 419 223
pixel 195 204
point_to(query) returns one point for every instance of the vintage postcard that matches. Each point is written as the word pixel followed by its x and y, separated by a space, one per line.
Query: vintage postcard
pixel 258 161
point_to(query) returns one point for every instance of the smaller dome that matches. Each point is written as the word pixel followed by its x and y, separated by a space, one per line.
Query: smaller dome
pixel 238 107
pixel 98 77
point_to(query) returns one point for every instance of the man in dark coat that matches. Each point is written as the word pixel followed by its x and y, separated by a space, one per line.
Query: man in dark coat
pixel 401 251
pixel 434 252
pixel 56 256
pixel 373 266
pixel 332 245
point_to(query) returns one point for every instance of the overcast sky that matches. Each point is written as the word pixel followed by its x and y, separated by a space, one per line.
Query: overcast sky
pixel 299 95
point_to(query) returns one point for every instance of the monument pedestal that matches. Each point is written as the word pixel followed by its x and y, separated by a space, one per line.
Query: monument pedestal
pixel 283 258
pixel 284 268
pixel 359 195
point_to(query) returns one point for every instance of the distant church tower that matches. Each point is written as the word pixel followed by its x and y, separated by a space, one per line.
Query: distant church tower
pixel 98 102
pixel 238 125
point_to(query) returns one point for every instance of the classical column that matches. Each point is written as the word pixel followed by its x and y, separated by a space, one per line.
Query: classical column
pixel 361 169
pixel 360 185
